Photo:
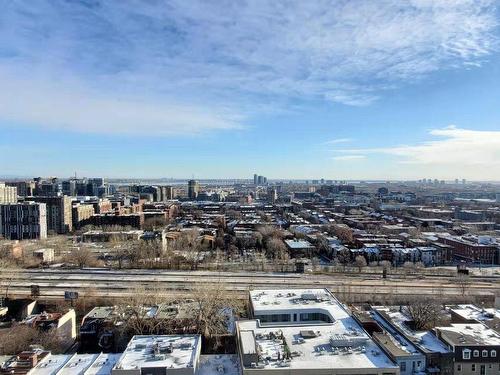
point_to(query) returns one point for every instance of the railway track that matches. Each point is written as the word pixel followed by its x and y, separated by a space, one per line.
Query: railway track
pixel 119 283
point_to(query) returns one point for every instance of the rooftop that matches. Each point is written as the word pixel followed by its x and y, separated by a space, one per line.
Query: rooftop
pixel 172 351
pixel 227 364
pixel 298 244
pixel 473 312
pixel 103 364
pixel 425 339
pixel 51 364
pixel 78 364
pixel 292 300
pixel 469 334
pixel 340 345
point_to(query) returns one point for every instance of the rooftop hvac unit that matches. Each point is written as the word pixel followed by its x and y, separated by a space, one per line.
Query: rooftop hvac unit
pixel 344 340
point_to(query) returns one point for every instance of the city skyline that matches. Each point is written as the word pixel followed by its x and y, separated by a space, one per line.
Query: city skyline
pixel 297 91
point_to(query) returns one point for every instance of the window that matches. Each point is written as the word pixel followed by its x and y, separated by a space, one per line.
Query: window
pixel 466 354
pixel 473 367
pixel 484 353
pixel 459 367
pixel 493 353
pixel 403 366
pixel 475 353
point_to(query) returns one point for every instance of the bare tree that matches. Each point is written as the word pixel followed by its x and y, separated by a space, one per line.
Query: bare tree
pixel 344 257
pixel 360 262
pixel 463 281
pixel 82 257
pixel 268 231
pixel 8 274
pixel 323 245
pixel 425 312
pixel 214 309
pixel 155 223
pixel 276 249
pixel 190 247
pixel 20 337
pixel 133 310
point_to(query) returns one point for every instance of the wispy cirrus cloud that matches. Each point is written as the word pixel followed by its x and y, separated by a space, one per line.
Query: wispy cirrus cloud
pixel 337 141
pixel 349 157
pixel 453 151
pixel 220 60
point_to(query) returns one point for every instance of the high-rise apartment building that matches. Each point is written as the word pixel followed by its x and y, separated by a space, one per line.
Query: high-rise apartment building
pixel 167 193
pixel 8 194
pixel 59 213
pixel 23 221
pixel 24 188
pixel 193 189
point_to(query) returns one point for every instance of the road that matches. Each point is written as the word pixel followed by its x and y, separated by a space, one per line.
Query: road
pixel 119 283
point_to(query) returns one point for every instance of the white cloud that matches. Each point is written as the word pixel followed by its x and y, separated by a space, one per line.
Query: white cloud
pixel 217 57
pixel 338 140
pixel 68 105
pixel 349 157
pixel 455 152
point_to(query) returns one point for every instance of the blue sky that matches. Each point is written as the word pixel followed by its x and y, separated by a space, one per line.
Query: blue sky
pixel 288 89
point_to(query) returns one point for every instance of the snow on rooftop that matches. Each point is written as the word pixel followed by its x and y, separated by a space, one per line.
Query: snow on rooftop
pixel 51 364
pixel 398 340
pixel 103 364
pixel 296 300
pixel 426 339
pixel 316 347
pixel 473 312
pixel 172 351
pixel 472 334
pixel 227 364
pixel 78 364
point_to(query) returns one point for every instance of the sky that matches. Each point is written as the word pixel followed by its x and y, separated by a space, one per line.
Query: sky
pixel 354 89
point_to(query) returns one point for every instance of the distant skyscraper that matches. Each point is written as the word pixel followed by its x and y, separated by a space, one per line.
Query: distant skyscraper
pixel 22 221
pixel 255 179
pixel 167 193
pixel 8 194
pixel 59 213
pixel 24 188
pixel 193 189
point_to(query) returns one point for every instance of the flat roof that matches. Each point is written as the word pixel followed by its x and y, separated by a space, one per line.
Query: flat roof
pixel 470 334
pixel 78 364
pixel 51 364
pixel 265 302
pixel 425 339
pixel 298 244
pixel 103 364
pixel 473 312
pixel 395 343
pixel 316 351
pixel 168 351
pixel 227 364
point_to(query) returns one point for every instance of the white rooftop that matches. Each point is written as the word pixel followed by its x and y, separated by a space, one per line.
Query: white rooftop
pixel 227 364
pixel 51 364
pixel 342 344
pixel 296 300
pixel 398 340
pixel 425 338
pixel 172 351
pixel 103 364
pixel 78 364
pixel 473 312
pixel 472 334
